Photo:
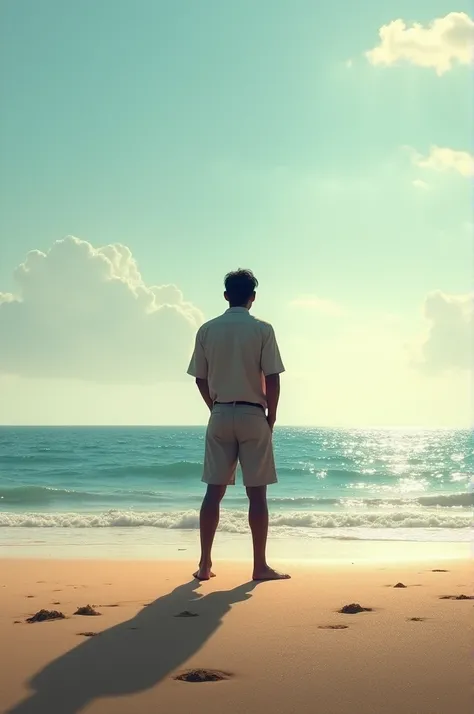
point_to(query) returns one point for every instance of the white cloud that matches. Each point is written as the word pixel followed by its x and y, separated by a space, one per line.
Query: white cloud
pixel 419 184
pixel 317 304
pixel 447 344
pixel 359 373
pixel 83 312
pixel 6 297
pixel 445 159
pixel 445 41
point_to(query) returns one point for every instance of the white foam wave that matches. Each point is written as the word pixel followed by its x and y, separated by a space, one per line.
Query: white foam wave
pixel 235 521
pixel 465 500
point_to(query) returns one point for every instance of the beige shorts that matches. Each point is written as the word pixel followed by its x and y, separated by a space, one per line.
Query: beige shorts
pixel 238 433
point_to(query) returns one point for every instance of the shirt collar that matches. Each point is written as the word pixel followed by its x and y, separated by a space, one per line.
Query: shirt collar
pixel 237 309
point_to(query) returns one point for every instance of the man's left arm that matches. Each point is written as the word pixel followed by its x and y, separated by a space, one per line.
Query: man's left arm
pixel 198 369
pixel 203 386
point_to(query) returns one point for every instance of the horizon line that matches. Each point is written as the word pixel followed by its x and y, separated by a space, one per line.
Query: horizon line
pixel 203 425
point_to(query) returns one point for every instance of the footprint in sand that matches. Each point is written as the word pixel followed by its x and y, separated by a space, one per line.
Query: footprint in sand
pixel 88 634
pixel 416 619
pixel 333 627
pixel 203 675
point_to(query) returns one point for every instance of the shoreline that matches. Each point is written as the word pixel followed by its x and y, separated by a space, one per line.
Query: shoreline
pixel 176 545
pixel 284 644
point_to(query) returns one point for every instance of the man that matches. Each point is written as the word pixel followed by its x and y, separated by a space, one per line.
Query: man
pixel 237 366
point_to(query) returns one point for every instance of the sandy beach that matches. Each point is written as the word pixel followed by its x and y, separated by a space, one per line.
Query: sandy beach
pixel 280 646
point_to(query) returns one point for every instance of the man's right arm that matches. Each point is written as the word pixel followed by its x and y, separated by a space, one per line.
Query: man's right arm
pixel 198 368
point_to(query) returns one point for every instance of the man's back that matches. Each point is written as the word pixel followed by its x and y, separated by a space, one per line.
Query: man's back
pixel 234 352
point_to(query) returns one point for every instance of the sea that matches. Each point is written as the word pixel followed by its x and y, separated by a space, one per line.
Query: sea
pixel 136 491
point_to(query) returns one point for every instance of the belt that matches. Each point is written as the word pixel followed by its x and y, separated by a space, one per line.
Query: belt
pixel 244 404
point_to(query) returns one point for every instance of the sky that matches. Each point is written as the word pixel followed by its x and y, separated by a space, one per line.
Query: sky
pixel 150 147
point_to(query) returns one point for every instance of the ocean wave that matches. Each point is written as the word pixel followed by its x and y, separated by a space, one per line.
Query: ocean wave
pixel 46 495
pixel 188 469
pixel 31 496
pixel 303 500
pixel 39 458
pixel 451 500
pixel 436 500
pixel 325 473
pixel 24 495
pixel 448 500
pixel 235 521
pixel 107 468
pixel 177 469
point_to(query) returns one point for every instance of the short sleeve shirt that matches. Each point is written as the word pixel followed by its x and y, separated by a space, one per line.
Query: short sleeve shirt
pixel 235 352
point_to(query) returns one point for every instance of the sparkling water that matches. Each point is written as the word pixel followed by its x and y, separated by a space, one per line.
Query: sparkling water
pixel 333 484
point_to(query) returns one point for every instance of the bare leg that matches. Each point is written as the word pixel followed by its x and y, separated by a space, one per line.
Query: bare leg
pixel 208 522
pixel 258 521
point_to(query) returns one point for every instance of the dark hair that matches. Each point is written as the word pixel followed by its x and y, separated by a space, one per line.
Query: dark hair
pixel 240 285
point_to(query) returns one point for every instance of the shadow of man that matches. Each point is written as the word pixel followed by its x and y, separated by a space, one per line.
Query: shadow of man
pixel 133 656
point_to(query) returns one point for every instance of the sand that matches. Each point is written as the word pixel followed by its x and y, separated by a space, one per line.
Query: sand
pixel 279 647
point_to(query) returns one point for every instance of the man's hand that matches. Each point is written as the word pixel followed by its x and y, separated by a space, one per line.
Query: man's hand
pixel 203 387
pixel 272 388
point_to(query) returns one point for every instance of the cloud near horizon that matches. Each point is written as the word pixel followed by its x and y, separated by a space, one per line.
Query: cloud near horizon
pixel 448 342
pixel 85 313
pixel 446 41
pixel 444 345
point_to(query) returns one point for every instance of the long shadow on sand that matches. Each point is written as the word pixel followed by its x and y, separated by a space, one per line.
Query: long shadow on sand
pixel 133 656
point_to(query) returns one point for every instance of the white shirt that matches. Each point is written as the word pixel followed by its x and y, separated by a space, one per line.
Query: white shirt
pixel 235 352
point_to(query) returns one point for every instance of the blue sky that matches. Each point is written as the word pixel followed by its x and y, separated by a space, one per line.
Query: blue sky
pixel 206 136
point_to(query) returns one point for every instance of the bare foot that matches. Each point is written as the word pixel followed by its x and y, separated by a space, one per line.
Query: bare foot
pixel 203 573
pixel 268 573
